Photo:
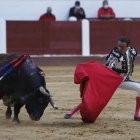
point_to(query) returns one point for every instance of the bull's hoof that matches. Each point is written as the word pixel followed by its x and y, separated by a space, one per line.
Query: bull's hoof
pixel 136 118
pixel 8 115
pixel 16 121
pixel 67 116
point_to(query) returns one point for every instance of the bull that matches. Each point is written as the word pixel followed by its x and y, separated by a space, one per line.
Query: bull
pixel 25 85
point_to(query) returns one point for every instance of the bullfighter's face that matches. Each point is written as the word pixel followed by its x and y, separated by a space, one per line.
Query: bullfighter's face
pixel 122 47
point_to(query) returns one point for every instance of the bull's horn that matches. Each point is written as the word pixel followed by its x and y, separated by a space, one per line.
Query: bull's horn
pixel 53 104
pixel 42 90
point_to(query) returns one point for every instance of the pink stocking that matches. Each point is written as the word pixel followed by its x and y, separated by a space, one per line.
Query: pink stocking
pixel 137 107
pixel 75 109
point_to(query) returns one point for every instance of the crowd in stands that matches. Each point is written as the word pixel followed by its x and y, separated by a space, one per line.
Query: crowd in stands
pixel 77 12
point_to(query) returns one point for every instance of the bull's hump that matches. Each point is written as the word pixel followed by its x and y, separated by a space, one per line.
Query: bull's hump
pixel 29 64
pixel 6 58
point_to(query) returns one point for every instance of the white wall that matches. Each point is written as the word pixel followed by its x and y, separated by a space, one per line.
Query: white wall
pixel 32 9
pixel 3 36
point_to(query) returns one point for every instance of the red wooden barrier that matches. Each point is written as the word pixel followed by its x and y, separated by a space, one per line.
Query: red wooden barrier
pixel 132 30
pixel 62 37
pixel 50 37
pixel 104 35
pixel 44 37
pixel 25 37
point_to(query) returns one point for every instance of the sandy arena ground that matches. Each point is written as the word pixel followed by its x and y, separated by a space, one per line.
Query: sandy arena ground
pixel 114 123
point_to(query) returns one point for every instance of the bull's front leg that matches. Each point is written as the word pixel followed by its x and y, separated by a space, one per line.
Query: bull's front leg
pixel 8 112
pixel 17 108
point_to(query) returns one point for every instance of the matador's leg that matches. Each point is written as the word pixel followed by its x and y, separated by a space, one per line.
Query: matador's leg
pixel 131 85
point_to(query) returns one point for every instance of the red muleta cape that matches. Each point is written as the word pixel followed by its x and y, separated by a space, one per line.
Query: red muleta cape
pixel 97 85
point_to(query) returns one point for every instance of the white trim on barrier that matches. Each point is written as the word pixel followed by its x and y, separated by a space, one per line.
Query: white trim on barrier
pixel 69 55
pixel 54 76
pixel 60 83
pixel 85 38
pixel 3 36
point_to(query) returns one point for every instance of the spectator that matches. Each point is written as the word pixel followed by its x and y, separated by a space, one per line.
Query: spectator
pixel 77 11
pixel 48 15
pixel 106 12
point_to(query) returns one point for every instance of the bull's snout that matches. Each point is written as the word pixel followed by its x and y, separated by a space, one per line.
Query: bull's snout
pixel 34 117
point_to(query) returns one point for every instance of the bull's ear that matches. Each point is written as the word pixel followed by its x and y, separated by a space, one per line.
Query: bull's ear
pixel 37 91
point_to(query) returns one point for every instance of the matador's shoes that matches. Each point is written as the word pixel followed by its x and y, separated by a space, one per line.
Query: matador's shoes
pixel 136 118
pixel 67 116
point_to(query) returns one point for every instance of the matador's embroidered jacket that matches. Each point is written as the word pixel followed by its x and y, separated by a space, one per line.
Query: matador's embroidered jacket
pixel 122 64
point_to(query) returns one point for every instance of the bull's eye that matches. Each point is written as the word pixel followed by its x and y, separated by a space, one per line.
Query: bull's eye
pixel 40 100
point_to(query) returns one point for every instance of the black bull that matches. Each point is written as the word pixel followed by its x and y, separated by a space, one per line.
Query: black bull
pixel 24 86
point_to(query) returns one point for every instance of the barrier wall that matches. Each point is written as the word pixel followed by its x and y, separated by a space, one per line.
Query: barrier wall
pixel 25 37
pixel 43 37
pixel 104 35
pixel 49 37
pixel 62 37
pixel 132 30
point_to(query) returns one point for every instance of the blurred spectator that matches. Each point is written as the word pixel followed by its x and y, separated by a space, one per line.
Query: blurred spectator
pixel 106 12
pixel 48 15
pixel 77 11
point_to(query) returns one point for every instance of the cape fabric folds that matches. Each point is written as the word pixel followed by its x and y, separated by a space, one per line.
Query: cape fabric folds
pixel 97 85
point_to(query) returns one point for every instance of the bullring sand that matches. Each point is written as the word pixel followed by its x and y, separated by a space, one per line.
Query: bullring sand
pixel 114 123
